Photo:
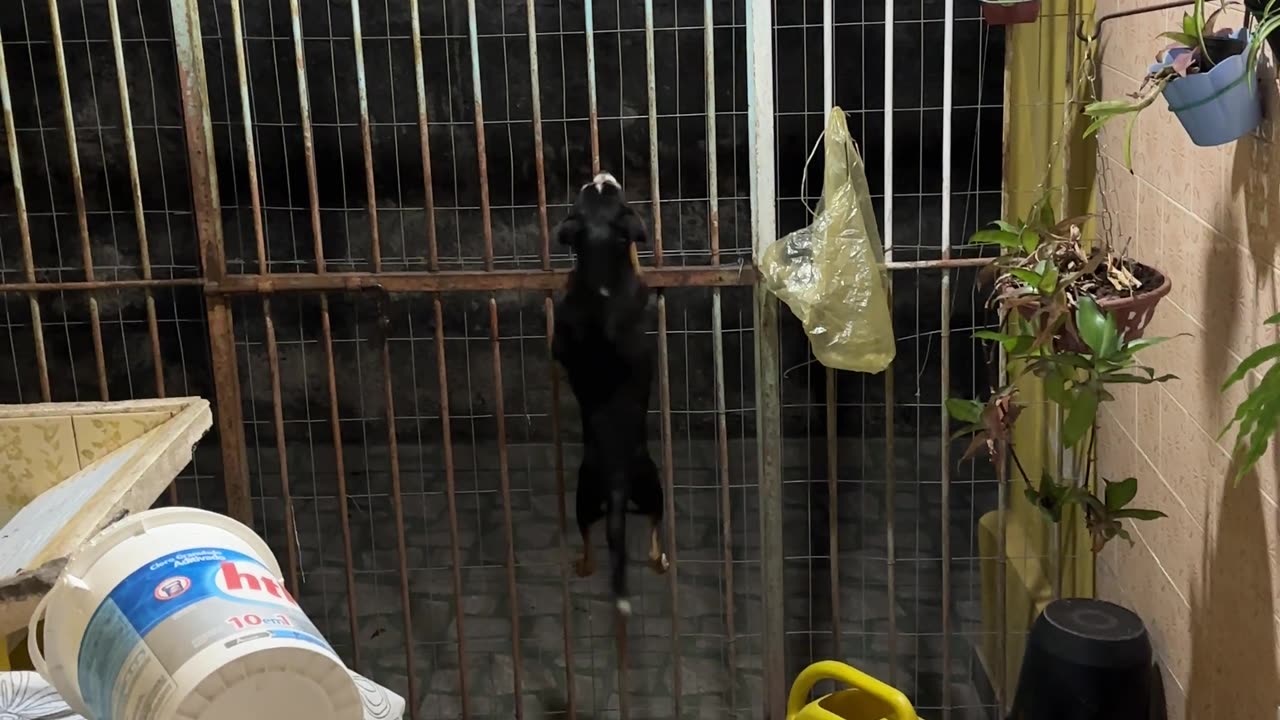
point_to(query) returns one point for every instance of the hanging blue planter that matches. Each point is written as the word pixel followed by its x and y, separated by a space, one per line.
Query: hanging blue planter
pixel 1218 106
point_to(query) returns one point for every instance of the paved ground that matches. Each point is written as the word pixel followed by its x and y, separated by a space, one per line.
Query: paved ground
pixel 717 674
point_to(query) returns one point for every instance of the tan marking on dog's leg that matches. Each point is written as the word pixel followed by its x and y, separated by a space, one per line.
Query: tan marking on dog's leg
pixel 657 558
pixel 635 258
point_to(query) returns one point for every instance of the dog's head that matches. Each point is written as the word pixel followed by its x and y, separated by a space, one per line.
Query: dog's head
pixel 602 229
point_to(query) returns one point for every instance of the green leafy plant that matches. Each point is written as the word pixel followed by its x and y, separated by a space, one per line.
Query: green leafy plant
pixel 1258 415
pixel 1197 48
pixel 1077 380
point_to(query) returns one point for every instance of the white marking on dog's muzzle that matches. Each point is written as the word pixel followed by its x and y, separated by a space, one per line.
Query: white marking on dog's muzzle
pixel 601 180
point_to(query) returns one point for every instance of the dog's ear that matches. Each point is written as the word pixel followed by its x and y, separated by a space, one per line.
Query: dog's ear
pixel 568 232
pixel 633 227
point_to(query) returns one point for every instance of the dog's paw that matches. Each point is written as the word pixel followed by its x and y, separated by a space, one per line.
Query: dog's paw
pixel 624 607
pixel 659 564
pixel 584 566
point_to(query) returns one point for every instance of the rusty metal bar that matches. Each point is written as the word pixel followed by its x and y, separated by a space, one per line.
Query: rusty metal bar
pixel 1141 10
pixel 77 187
pixel 589 10
pixel 726 505
pixel 326 327
pixel 24 228
pixel 393 446
pixel 504 478
pixel 208 215
pixel 366 138
pixel 713 173
pixel 397 502
pixel 669 498
pixel 424 136
pixel 135 185
pixel 273 351
pixel 539 155
pixel 655 185
pixel 451 495
pixel 398 282
pixel 566 605
pixel 481 154
pixel 31 286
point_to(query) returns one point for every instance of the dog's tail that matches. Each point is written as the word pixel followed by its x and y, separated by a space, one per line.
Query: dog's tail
pixel 617 535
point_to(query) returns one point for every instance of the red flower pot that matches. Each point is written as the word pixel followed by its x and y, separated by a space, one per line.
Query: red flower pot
pixel 1010 13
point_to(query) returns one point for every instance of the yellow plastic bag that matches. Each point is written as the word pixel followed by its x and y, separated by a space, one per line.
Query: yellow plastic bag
pixel 831 273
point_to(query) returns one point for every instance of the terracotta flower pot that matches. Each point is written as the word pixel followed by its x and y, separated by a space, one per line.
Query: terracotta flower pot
pixel 1133 313
pixel 1010 13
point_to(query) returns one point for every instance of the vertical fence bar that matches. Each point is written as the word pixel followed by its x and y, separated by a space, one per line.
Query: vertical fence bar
pixel 77 187
pixel 273 353
pixel 481 157
pixel 944 435
pixel 832 418
pixel 204 192
pixel 393 444
pixel 24 228
pixel 655 185
pixel 726 506
pixel 669 499
pixel 539 154
pixel 562 515
pixel 326 327
pixel 557 447
pixel 768 391
pixel 717 340
pixel 664 368
pixel 424 136
pixel 135 185
pixel 451 495
pixel 593 112
pixel 504 478
pixel 889 449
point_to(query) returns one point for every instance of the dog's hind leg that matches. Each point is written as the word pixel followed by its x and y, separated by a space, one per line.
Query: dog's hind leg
pixel 590 508
pixel 646 493
pixel 616 528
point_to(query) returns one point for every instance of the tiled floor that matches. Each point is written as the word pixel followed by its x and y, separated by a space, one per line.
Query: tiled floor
pixel 716 675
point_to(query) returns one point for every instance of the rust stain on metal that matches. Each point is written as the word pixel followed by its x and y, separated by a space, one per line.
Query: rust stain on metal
pixel 539 156
pixel 397 502
pixel 477 281
pixel 451 494
pixel 277 420
pixel 726 504
pixel 24 228
pixel 424 137
pixel 562 513
pixel 655 188
pixel 669 493
pixel 504 479
pixel 366 144
pixel 77 187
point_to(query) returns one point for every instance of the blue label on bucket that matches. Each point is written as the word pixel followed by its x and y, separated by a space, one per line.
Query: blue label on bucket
pixel 163 614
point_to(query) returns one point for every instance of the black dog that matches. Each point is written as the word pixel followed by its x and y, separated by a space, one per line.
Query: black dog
pixel 600 340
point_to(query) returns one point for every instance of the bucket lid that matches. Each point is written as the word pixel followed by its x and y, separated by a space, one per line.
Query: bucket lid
pixel 139 523
pixel 275 682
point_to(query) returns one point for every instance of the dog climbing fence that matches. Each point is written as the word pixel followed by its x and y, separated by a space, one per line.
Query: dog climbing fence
pixel 335 219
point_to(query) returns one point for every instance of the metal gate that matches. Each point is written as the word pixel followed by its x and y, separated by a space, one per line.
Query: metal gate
pixel 334 217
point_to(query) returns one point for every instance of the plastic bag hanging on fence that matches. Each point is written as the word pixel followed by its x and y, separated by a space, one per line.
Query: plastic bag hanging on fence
pixel 831 273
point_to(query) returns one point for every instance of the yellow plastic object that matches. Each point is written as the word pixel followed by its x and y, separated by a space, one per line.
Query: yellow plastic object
pixel 831 273
pixel 866 699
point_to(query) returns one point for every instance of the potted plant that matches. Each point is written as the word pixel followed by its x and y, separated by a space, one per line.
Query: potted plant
pixel 1010 12
pixel 1074 317
pixel 1208 77
pixel 1258 415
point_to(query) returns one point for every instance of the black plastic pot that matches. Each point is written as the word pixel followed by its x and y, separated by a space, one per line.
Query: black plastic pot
pixel 1220 48
pixel 1256 8
pixel 1087 660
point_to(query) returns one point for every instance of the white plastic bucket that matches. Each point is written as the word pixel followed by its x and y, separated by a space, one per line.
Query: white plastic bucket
pixel 181 613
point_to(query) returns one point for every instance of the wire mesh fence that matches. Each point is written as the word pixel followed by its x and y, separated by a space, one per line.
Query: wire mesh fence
pixel 369 188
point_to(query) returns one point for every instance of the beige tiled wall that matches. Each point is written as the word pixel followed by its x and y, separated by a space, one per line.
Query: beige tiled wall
pixel 1206 579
